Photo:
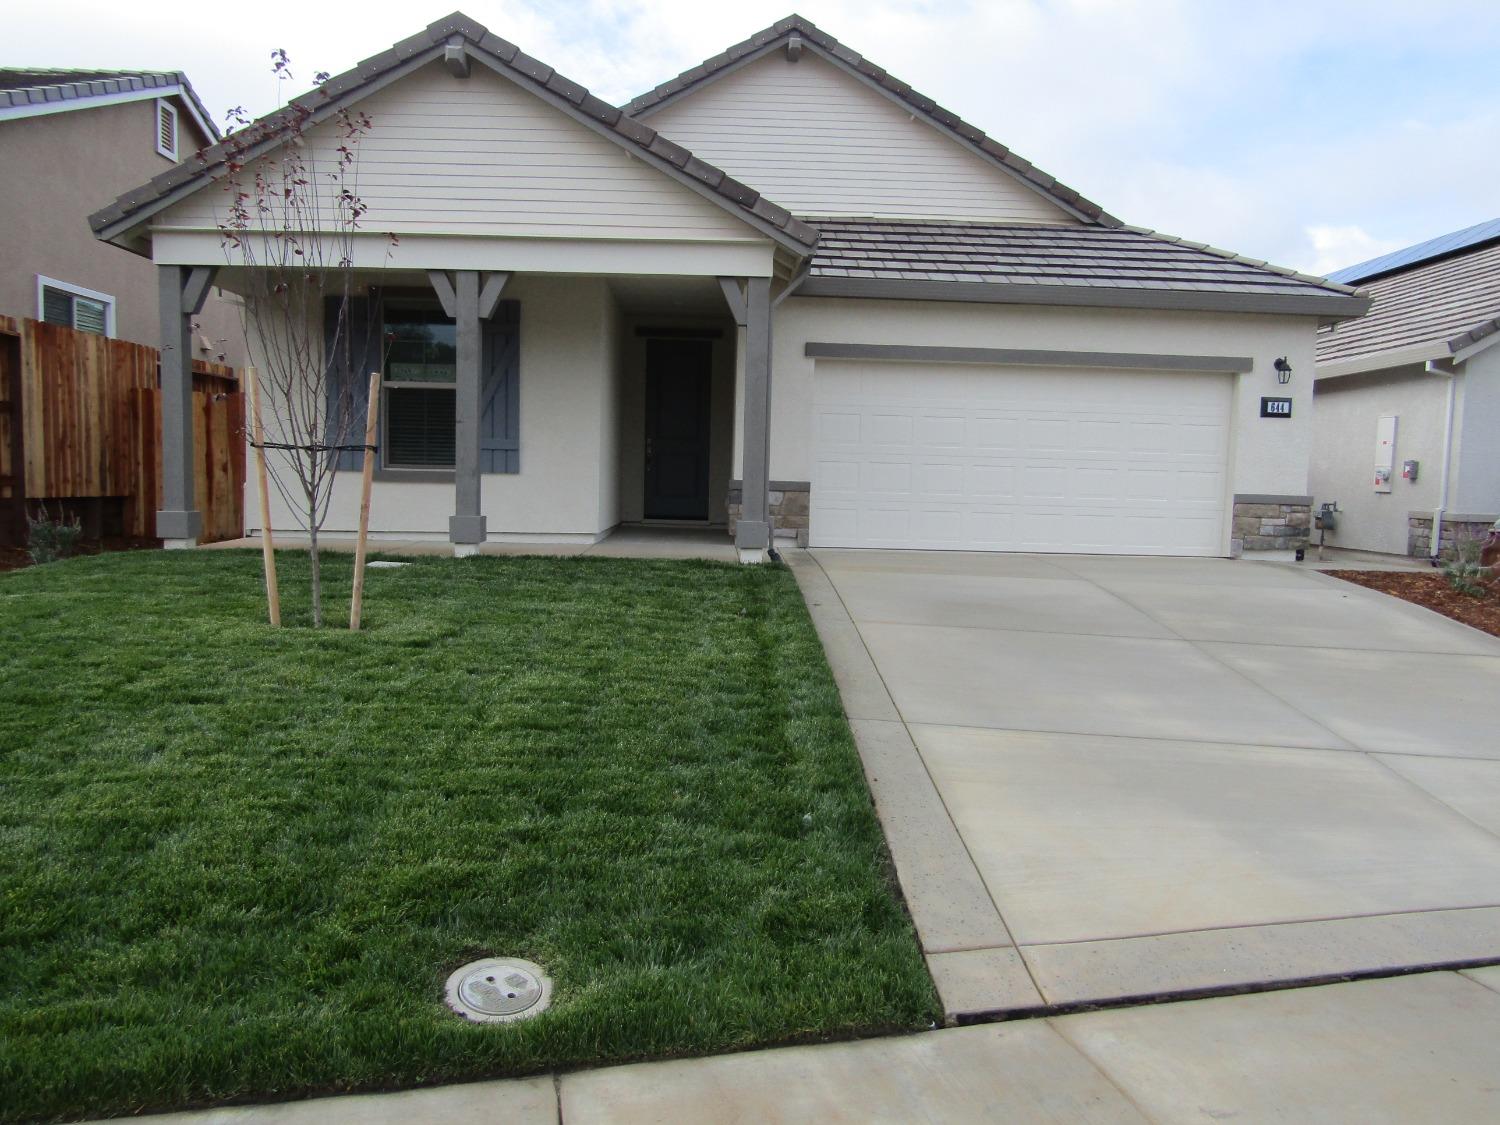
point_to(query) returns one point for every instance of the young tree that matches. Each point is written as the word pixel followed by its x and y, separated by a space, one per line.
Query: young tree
pixel 293 210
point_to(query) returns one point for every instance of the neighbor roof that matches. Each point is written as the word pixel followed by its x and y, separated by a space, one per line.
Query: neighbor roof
pixel 1442 246
pixel 783 31
pixel 1028 263
pixel 1440 309
pixel 478 42
pixel 33 91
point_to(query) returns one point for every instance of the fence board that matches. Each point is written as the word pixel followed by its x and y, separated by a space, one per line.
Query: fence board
pixel 91 424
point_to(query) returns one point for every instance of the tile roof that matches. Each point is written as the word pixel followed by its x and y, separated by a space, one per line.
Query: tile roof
pixel 794 25
pixel 24 87
pixel 1440 306
pixel 1442 246
pixel 489 48
pixel 1015 256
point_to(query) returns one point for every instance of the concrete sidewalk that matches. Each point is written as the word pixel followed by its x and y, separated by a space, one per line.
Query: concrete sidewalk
pixel 643 542
pixel 1423 1048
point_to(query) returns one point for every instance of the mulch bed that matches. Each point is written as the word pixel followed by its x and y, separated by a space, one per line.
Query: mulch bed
pixel 1432 590
pixel 14 558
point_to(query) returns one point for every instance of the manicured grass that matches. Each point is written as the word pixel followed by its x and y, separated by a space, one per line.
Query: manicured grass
pixel 237 862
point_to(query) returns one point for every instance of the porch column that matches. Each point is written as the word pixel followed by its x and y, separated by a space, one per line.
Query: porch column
pixel 470 298
pixel 466 527
pixel 751 307
pixel 181 291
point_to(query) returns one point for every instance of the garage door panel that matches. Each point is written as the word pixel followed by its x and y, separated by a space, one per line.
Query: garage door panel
pixel 1009 459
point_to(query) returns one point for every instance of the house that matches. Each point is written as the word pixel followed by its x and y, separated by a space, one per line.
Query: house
pixel 1406 402
pixel 69 140
pixel 783 293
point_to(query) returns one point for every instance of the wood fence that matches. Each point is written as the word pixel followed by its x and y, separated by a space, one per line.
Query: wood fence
pixel 85 422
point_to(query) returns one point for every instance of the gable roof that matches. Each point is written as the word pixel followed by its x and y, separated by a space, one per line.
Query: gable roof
pixel 1442 246
pixel 35 91
pixel 1446 307
pixel 458 35
pixel 1027 263
pixel 805 34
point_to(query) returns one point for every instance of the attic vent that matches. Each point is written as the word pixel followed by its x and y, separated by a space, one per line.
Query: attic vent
pixel 166 129
pixel 794 48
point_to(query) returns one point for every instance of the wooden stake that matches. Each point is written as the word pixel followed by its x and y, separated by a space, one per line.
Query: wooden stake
pixel 372 414
pixel 267 546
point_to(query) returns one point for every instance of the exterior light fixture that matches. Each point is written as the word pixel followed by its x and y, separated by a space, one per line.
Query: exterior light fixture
pixel 1283 371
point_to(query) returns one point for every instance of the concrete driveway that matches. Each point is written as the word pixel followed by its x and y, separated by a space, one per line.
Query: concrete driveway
pixel 1123 778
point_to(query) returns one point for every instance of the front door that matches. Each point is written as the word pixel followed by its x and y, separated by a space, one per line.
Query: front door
pixel 677 378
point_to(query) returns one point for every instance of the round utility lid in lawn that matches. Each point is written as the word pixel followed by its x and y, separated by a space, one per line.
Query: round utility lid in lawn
pixel 498 989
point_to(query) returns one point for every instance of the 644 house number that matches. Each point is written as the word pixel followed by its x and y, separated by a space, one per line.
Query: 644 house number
pixel 1275 408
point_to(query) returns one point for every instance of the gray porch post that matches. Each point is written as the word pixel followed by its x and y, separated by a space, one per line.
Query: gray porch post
pixel 753 531
pixel 181 292
pixel 466 527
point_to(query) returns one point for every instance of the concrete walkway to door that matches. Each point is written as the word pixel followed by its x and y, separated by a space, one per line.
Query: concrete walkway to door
pixel 1107 779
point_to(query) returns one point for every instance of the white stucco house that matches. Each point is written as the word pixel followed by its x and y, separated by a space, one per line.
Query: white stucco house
pixel 782 293
pixel 1406 405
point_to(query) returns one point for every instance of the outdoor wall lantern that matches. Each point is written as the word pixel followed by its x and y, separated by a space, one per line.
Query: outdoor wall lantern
pixel 1283 371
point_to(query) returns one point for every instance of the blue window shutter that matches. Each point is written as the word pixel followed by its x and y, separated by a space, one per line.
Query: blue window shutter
pixel 500 421
pixel 350 356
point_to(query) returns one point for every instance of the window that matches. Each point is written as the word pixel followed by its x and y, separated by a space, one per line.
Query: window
pixel 421 346
pixel 83 309
pixel 166 129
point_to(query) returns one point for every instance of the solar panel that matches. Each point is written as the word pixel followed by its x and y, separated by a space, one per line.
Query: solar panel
pixel 1421 252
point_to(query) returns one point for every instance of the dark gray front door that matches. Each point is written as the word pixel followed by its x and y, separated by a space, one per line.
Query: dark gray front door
pixel 677 375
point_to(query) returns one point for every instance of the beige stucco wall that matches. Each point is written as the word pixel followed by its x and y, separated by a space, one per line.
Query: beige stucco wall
pixel 59 168
pixel 569 329
pixel 1265 456
pixel 1346 410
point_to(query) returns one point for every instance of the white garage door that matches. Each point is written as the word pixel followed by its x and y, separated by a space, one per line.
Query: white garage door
pixel 1015 459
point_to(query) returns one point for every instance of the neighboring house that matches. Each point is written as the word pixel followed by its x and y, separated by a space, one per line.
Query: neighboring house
pixel 69 141
pixel 1407 399
pixel 781 292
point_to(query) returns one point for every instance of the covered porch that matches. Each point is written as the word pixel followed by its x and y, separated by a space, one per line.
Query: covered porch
pixel 526 409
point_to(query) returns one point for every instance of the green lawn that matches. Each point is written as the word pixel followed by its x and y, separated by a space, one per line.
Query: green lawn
pixel 237 862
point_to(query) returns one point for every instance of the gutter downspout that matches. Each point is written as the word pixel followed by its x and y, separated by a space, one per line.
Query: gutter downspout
pixel 1436 540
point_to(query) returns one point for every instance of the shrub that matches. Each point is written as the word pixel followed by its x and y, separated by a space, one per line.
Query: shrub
pixel 1463 569
pixel 49 540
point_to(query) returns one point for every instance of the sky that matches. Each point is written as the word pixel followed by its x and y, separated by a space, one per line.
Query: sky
pixel 1311 133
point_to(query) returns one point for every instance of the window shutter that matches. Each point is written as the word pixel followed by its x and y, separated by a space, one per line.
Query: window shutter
pixel 500 419
pixel 349 370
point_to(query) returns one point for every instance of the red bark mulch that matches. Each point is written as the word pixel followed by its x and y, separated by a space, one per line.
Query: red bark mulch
pixel 14 558
pixel 1431 589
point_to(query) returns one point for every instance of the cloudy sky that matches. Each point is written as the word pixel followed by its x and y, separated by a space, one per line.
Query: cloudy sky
pixel 1313 133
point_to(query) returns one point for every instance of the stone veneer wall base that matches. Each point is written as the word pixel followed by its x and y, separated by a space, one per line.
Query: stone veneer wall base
pixel 788 506
pixel 1457 526
pixel 1270 523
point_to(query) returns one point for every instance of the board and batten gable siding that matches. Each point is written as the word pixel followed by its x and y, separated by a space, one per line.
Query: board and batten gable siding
pixel 819 141
pixel 481 156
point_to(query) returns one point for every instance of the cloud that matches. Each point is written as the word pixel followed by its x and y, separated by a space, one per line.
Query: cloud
pixel 1249 126
pixel 1336 247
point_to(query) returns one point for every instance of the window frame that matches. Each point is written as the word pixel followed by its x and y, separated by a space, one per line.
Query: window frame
pixel 164 107
pixel 407 384
pixel 43 283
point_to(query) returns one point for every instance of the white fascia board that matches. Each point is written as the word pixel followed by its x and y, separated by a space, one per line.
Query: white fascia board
pixel 93 101
pixel 598 256
pixel 1464 354
pixel 1377 361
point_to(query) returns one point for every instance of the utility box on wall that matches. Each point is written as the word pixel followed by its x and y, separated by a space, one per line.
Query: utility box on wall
pixel 1409 470
pixel 1385 452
